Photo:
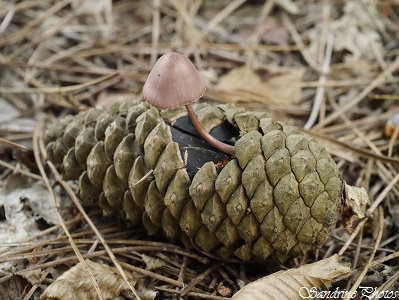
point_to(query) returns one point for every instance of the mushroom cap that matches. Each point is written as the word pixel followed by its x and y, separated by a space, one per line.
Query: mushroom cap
pixel 173 82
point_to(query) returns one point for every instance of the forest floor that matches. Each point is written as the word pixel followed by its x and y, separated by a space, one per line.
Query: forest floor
pixel 329 67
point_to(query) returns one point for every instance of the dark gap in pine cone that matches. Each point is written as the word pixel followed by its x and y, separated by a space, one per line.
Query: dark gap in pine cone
pixel 198 151
pixel 224 132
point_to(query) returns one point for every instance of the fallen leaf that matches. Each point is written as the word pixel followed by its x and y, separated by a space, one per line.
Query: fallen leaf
pixel 286 87
pixel 152 263
pixel 295 283
pixel 245 85
pixel 357 199
pixel 14 287
pixel 76 284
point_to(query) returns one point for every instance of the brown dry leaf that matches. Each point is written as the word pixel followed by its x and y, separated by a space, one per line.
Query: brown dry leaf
pixel 13 287
pixel 357 199
pixel 246 85
pixel 152 263
pixel 295 283
pixel 75 284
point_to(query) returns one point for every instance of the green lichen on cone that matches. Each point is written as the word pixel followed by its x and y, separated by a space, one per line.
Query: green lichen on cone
pixel 279 198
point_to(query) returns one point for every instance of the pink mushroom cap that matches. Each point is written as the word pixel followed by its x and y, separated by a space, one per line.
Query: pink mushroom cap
pixel 173 82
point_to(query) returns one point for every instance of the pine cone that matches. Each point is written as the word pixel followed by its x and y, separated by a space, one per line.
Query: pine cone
pixel 279 197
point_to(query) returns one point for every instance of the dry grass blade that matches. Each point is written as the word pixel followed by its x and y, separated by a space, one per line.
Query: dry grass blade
pixel 233 5
pixel 359 151
pixel 320 89
pixel 13 144
pixel 21 171
pixel 201 277
pixel 155 30
pixel 26 30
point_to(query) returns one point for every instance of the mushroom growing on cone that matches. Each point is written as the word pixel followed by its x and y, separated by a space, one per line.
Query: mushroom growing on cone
pixel 174 81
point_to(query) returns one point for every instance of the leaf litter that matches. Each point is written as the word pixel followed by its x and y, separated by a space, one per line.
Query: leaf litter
pixel 59 57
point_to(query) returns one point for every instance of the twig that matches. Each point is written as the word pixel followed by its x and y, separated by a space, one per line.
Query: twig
pixel 322 79
pixel 56 90
pixel 7 19
pixel 109 19
pixel 21 171
pixel 13 144
pixel 220 16
pixel 194 294
pixel 199 278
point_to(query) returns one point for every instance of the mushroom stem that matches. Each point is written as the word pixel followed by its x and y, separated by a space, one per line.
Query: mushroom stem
pixel 229 149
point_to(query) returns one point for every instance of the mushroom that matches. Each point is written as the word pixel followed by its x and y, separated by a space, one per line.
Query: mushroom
pixel 174 81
